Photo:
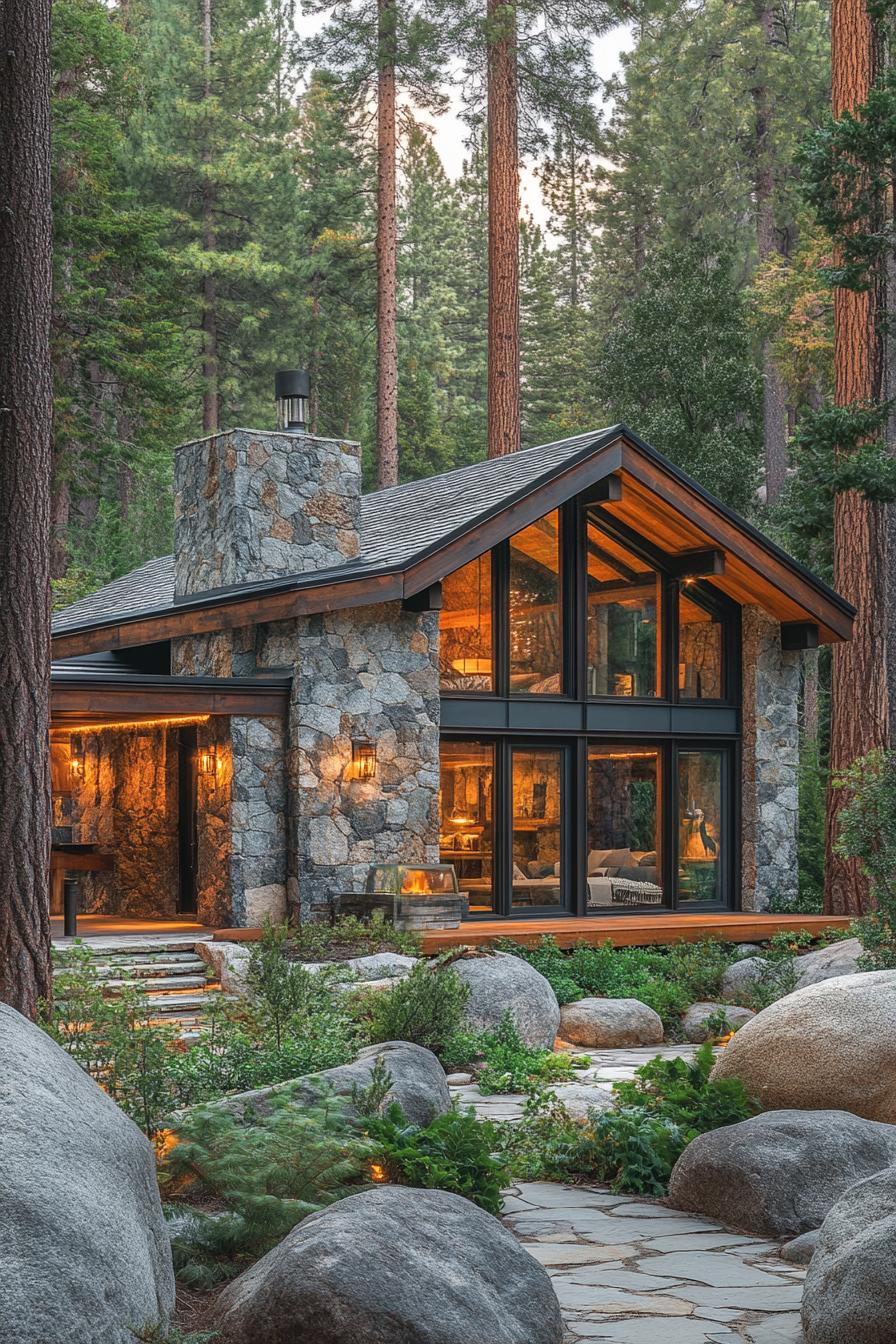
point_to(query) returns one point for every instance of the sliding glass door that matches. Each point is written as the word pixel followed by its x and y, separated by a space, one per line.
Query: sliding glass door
pixel 624 867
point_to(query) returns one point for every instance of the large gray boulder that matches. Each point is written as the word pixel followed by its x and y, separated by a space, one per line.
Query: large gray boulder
pixel 694 1023
pixel 84 1250
pixel 840 958
pixel 610 1023
pixel 851 1283
pixel 826 1047
pixel 393 1266
pixel 778 1174
pixel 501 983
pixel 418 1083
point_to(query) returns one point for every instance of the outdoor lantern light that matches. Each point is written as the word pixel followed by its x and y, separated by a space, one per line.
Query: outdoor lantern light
pixel 76 758
pixel 363 758
pixel 292 388
pixel 208 759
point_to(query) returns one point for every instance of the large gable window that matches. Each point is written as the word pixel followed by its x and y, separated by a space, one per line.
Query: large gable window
pixel 467 653
pixel 623 597
pixel 536 628
pixel 700 649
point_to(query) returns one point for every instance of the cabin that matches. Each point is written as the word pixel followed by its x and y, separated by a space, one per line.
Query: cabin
pixel 571 674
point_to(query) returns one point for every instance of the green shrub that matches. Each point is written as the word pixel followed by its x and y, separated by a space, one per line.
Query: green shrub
pixel 868 835
pixel 425 1008
pixel 510 1066
pixel 635 1146
pixel 349 937
pixel 113 1038
pixel 682 1092
pixel 454 1152
pixel 697 968
pixel 261 1175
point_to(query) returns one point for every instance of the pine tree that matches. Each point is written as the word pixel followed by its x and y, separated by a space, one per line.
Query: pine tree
pixel 25 456
pixel 381 49
pixel 119 357
pixel 677 367
pixel 213 149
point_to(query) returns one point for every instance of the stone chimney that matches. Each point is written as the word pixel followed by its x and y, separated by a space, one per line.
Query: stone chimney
pixel 251 505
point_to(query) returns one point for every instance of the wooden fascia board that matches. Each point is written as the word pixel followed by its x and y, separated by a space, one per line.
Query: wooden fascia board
pixel 512 518
pixel 228 615
pixel 785 578
pixel 160 701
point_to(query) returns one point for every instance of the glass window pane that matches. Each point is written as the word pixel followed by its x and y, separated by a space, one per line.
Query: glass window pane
pixel 538 877
pixel 624 866
pixel 466 803
pixel 536 628
pixel 699 651
pixel 623 595
pixel 701 839
pixel 466 657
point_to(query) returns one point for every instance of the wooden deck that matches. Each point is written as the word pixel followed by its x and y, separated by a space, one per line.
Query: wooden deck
pixel 631 930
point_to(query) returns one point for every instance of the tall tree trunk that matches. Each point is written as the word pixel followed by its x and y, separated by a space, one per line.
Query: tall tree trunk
pixel 25 467
pixel 774 393
pixel 386 253
pixel 210 398
pixel 503 233
pixel 859 709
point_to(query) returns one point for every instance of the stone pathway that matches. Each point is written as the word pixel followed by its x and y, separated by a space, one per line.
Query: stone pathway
pixel 606 1068
pixel 638 1272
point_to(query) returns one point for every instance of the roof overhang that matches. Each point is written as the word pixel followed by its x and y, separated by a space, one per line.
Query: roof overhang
pixel 82 701
pixel 656 499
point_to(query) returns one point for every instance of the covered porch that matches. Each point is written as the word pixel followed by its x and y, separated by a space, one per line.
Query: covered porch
pixel 142 781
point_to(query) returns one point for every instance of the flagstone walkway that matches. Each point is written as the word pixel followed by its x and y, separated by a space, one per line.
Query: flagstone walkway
pixel 637 1272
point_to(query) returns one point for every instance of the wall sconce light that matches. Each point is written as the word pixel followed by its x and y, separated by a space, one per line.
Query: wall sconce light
pixel 363 758
pixel 76 757
pixel 208 759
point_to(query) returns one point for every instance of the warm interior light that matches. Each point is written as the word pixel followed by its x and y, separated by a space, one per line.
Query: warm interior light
pixel 76 758
pixel 363 758
pixel 472 667
pixel 208 759
pixel 135 724
pixel 378 1172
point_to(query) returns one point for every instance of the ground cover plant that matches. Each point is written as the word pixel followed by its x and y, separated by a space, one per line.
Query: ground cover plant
pixel 426 1007
pixel 634 1146
pixel 346 937
pixel 503 1063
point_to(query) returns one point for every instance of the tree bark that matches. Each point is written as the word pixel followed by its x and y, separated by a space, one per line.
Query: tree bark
pixel 503 233
pixel 859 708
pixel 386 253
pixel 25 471
pixel 210 397
pixel 774 393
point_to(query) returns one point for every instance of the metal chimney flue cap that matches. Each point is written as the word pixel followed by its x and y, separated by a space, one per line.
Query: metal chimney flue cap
pixel 291 383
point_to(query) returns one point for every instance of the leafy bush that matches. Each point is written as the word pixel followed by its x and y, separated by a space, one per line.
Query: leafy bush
pixel 425 1008
pixel 868 834
pixel 348 937
pixel 510 1066
pixel 635 1146
pixel 454 1152
pixel 262 1175
pixel 113 1038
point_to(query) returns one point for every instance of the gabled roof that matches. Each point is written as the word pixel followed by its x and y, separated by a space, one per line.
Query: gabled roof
pixel 412 535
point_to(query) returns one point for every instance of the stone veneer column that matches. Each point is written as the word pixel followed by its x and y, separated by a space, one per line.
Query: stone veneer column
pixel 771 688
pixel 249 506
pixel 369 672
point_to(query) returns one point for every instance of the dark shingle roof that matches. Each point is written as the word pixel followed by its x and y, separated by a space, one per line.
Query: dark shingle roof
pixel 398 525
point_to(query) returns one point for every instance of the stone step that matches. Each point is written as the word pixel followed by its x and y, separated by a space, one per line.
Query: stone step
pixel 113 948
pixel 160 985
pixel 148 959
pixel 125 970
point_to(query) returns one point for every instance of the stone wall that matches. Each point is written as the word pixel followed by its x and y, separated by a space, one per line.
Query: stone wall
pixel 126 804
pixel 370 672
pixel 252 505
pixel 771 687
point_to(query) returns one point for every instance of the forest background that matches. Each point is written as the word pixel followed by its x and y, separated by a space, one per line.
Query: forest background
pixel 216 218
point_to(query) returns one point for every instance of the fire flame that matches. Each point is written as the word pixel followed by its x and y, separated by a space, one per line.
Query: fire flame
pixel 415 884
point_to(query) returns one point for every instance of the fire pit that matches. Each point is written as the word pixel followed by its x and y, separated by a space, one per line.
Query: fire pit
pixel 410 896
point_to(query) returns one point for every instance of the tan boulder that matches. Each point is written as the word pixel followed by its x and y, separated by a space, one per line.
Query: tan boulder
pixel 830 1046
